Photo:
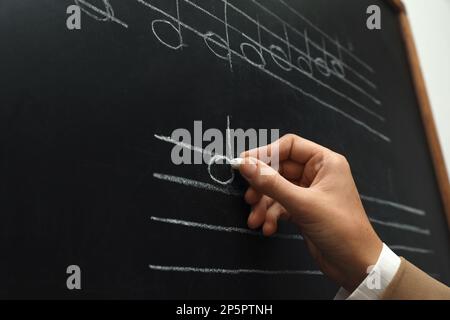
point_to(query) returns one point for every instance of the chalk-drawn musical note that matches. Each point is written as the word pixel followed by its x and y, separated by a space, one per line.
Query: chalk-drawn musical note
pixel 160 22
pixel 288 56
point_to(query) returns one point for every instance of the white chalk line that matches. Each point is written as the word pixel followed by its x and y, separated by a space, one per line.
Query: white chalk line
pixel 177 4
pixel 292 66
pixel 219 228
pixel 213 160
pixel 183 144
pixel 411 249
pixel 228 131
pixel 234 271
pixel 244 231
pixel 396 205
pixel 401 226
pixel 197 184
pixel 107 15
pixel 351 54
pixel 317 46
pixel 289 84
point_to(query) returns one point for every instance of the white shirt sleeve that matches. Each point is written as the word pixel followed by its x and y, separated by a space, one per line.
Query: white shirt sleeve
pixel 377 280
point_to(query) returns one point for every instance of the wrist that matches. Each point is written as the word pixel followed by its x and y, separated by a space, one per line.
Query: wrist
pixel 358 269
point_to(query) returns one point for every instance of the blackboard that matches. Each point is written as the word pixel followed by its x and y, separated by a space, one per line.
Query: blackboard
pixel 86 175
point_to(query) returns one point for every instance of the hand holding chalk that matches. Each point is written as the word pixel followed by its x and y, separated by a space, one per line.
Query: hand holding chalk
pixel 315 191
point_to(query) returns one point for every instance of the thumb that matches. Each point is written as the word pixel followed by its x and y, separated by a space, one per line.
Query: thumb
pixel 266 180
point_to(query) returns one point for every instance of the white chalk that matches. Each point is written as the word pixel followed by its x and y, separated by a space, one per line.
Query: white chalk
pixel 236 163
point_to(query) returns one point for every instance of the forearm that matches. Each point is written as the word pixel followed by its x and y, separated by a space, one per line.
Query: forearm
pixel 394 278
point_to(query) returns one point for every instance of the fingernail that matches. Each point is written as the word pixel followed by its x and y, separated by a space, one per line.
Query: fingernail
pixel 248 168
pixel 236 163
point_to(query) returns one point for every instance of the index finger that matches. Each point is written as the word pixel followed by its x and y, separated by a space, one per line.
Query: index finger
pixel 289 147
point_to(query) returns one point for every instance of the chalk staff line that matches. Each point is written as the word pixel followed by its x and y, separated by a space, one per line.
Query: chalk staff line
pixel 197 184
pixel 297 237
pixel 107 15
pixel 234 271
pixel 402 226
pixel 219 228
pixel 183 144
pixel 395 205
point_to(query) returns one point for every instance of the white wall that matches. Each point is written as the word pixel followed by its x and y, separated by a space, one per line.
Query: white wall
pixel 430 21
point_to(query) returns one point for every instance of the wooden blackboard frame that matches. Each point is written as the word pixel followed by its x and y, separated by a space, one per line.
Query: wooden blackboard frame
pixel 424 105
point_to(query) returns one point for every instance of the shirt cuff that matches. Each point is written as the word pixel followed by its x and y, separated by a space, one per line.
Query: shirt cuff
pixel 378 279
